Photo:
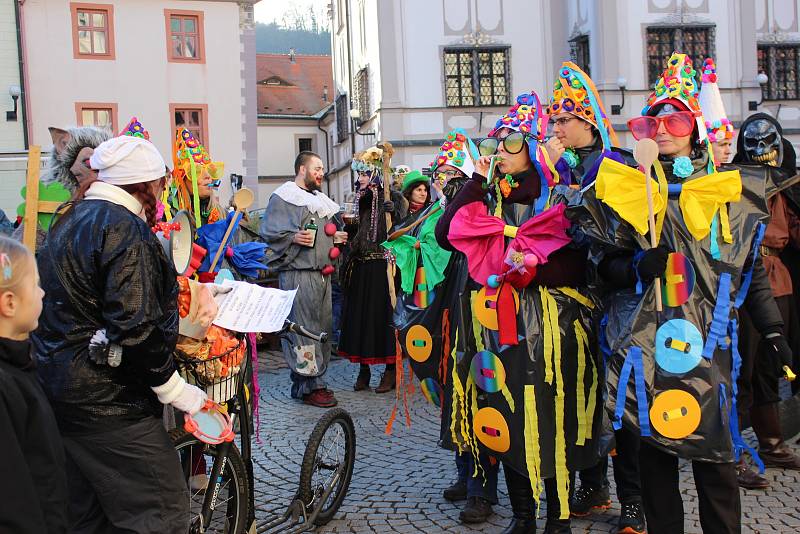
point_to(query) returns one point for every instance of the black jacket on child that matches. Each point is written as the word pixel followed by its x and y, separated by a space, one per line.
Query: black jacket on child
pixel 32 466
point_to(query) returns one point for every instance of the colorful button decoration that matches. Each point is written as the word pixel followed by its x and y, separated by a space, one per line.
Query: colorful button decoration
pixel 484 307
pixel 419 343
pixel 488 372
pixel 679 280
pixel 432 391
pixel 679 346
pixel 491 429
pixel 422 297
pixel 675 414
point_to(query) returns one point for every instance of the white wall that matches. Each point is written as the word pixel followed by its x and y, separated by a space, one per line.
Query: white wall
pixel 11 137
pixel 140 80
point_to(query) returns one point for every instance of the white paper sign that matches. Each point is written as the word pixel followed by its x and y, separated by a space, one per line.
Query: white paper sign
pixel 252 308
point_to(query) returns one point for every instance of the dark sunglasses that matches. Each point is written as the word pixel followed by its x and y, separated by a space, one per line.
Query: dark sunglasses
pixel 679 124
pixel 513 143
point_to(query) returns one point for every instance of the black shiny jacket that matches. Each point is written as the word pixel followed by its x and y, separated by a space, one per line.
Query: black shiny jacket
pixel 102 267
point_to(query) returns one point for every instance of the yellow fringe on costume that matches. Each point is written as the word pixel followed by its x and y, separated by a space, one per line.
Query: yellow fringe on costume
pixel 533 459
pixel 550 316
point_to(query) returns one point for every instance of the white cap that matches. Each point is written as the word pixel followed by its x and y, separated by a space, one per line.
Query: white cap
pixel 127 160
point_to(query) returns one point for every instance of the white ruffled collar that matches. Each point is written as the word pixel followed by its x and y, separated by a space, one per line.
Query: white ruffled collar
pixel 318 202
pixel 116 195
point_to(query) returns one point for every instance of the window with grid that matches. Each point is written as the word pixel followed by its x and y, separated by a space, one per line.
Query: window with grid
pixel 579 52
pixel 342 118
pixel 304 144
pixel 97 116
pixel 185 37
pixel 695 41
pixel 93 31
pixel 780 63
pixel 361 90
pixel 193 120
pixel 476 76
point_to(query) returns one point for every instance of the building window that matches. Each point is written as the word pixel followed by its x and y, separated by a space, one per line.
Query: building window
pixel 342 118
pixel 304 144
pixel 695 41
pixel 185 42
pixel 780 64
pixel 361 90
pixel 193 117
pixel 579 52
pixel 96 114
pixel 92 31
pixel 476 76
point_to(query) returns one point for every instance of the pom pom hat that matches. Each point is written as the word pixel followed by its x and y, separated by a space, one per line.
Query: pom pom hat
pixel 710 99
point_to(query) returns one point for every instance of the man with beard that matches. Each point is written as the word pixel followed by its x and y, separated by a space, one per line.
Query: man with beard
pixel 762 150
pixel 300 236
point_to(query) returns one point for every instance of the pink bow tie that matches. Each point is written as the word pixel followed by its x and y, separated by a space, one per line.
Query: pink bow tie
pixel 481 237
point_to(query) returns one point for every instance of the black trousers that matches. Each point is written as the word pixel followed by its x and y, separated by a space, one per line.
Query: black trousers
pixel 626 469
pixel 128 480
pixel 717 494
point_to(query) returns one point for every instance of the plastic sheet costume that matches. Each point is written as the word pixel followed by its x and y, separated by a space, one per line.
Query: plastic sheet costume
pixel 529 393
pixel 676 365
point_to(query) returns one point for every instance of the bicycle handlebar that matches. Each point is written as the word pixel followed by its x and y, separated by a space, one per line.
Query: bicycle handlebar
pixel 300 330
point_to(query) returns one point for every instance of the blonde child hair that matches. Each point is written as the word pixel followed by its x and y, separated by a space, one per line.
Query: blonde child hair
pixel 14 259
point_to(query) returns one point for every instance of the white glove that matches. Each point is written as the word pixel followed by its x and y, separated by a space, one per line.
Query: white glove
pixel 185 397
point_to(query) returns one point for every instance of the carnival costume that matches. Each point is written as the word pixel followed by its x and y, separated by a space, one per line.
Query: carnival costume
pixel 528 395
pixel 671 375
pixel 772 158
pixel 307 269
pixel 108 413
pixel 367 336
pixel 575 93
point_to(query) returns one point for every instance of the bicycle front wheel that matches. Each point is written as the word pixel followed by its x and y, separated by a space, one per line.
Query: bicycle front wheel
pixel 229 514
pixel 328 464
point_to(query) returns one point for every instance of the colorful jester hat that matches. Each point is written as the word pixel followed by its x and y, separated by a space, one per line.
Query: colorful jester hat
pixel 717 123
pixel 135 129
pixel 458 151
pixel 574 92
pixel 529 117
pixel 678 84
pixel 190 160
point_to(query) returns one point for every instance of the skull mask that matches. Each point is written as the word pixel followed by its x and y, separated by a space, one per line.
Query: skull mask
pixel 763 142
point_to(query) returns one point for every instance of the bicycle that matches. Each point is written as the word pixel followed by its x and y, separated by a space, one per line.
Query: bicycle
pixel 226 502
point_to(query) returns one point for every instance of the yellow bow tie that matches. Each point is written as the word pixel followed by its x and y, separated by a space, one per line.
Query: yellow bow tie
pixel 702 197
pixel 623 189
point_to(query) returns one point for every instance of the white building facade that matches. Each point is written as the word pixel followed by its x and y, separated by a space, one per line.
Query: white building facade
pixel 168 63
pixel 414 69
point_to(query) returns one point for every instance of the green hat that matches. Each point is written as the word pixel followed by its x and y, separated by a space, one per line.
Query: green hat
pixel 415 177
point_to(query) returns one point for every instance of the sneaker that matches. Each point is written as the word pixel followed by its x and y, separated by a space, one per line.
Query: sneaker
pixel 321 398
pixel 588 500
pixel 631 518
pixel 477 510
pixel 456 492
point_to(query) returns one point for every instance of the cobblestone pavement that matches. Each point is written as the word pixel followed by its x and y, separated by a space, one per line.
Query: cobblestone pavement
pixel 398 480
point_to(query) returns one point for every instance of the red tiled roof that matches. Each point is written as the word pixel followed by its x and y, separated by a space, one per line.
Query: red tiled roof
pixel 302 84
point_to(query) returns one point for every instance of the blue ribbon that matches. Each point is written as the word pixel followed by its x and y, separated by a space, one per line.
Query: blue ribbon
pixel 714 238
pixel 636 259
pixel 748 276
pixel 720 319
pixel 739 445
pixel 633 362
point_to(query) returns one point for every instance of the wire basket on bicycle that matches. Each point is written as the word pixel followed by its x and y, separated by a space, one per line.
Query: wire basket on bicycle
pixel 213 364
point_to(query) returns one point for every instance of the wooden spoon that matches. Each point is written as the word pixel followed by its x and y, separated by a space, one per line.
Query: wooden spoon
pixel 646 152
pixel 242 199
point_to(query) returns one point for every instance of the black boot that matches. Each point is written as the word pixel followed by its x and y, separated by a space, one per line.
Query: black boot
pixel 557 526
pixel 362 381
pixel 520 495
pixel 773 450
